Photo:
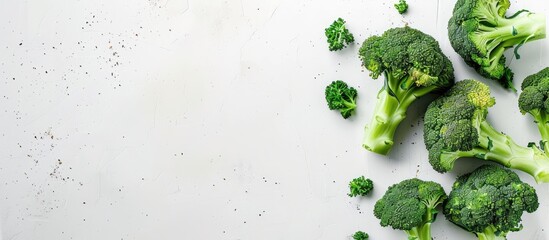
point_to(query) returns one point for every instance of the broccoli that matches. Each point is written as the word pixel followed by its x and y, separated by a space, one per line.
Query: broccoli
pixel 489 202
pixel 360 187
pixel 360 235
pixel 410 206
pixel 413 65
pixel 480 33
pixel 401 6
pixel 341 97
pixel 455 126
pixel 338 35
pixel 534 99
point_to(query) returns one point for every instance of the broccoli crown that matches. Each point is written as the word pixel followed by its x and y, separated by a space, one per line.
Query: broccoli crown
pixel 341 97
pixel 401 6
pixel 451 121
pixel 360 235
pixel 490 197
pixel 480 32
pixel 406 205
pixel 407 54
pixel 338 35
pixel 360 186
pixel 535 91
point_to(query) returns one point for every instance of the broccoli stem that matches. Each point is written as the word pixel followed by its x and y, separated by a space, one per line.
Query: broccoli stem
pixel 388 113
pixel 498 147
pixel 543 126
pixel 423 232
pixel 490 234
pixel 508 32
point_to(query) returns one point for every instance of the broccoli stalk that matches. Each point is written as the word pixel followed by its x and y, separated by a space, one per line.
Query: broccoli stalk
pixel 534 100
pixel 390 111
pixel 489 202
pixel 490 233
pixel 410 206
pixel 480 33
pixel 456 127
pixel 413 66
pixel 498 147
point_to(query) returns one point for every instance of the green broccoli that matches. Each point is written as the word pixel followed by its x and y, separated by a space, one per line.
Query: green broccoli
pixel 360 235
pixel 489 202
pixel 456 127
pixel 401 6
pixel 360 187
pixel 341 97
pixel 534 99
pixel 480 33
pixel 413 66
pixel 338 35
pixel 410 206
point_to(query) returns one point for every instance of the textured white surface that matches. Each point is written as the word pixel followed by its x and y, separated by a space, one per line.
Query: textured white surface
pixel 205 119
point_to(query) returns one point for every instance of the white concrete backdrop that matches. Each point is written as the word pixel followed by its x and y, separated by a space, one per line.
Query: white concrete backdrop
pixel 206 119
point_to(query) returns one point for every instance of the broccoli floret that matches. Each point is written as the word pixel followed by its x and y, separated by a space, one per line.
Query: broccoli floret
pixel 338 35
pixel 401 6
pixel 410 206
pixel 341 97
pixel 534 99
pixel 413 66
pixel 456 127
pixel 360 235
pixel 360 186
pixel 489 202
pixel 480 33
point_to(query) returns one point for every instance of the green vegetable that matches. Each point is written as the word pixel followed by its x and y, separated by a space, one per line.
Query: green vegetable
pixel 360 235
pixel 456 127
pixel 360 187
pixel 480 33
pixel 338 35
pixel 341 97
pixel 489 202
pixel 410 206
pixel 534 100
pixel 401 6
pixel 413 66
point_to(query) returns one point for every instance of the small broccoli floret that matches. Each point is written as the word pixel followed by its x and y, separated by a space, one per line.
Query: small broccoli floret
pixel 456 127
pixel 360 187
pixel 338 35
pixel 410 206
pixel 401 6
pixel 360 235
pixel 534 99
pixel 413 65
pixel 489 202
pixel 341 97
pixel 480 33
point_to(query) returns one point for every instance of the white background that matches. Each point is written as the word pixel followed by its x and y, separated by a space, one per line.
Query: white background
pixel 206 119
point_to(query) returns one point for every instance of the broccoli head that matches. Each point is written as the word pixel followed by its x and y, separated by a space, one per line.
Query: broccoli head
pixel 480 33
pixel 360 235
pixel 489 202
pixel 401 6
pixel 341 97
pixel 338 35
pixel 413 65
pixel 455 126
pixel 534 99
pixel 360 186
pixel 410 206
